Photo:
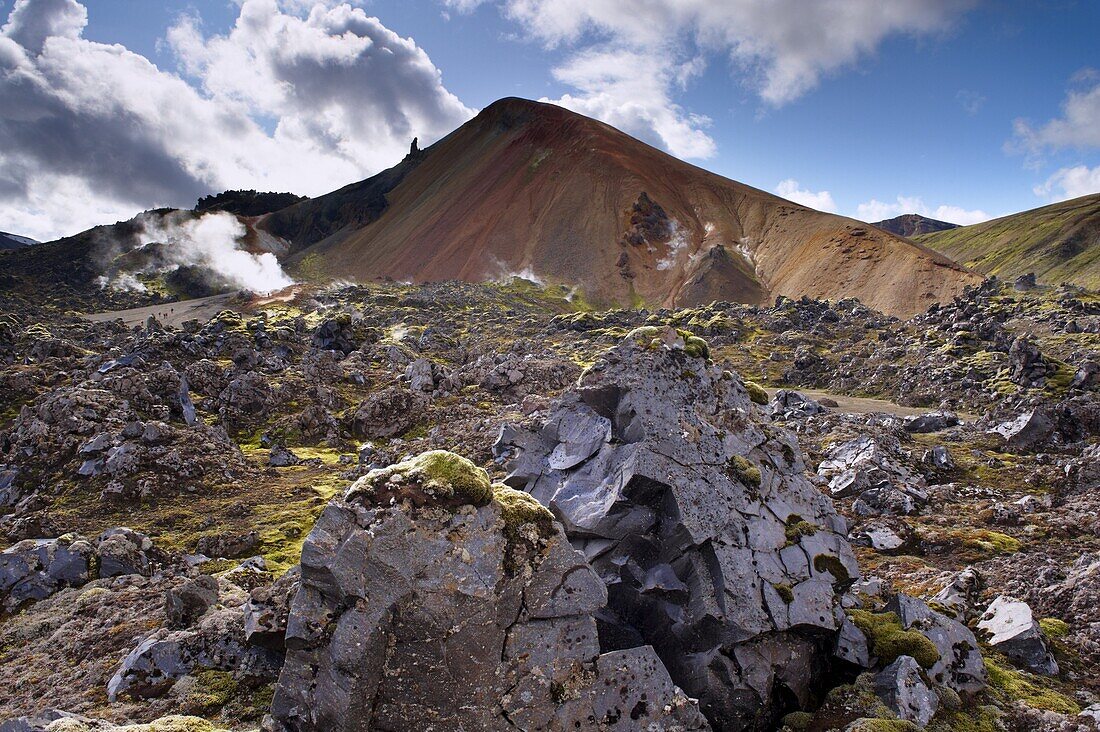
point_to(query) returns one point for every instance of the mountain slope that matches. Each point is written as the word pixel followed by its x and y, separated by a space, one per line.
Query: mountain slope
pixel 12 241
pixel 910 225
pixel 1059 243
pixel 534 189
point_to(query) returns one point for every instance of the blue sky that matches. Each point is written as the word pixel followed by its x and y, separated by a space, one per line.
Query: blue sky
pixel 960 108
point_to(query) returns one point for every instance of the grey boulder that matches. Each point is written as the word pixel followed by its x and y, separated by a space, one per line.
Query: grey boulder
pixel 1014 632
pixel 902 688
pixel 695 512
pixel 430 599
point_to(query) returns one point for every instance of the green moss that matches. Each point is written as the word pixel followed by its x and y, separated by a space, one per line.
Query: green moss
pixel 520 508
pixel 797 721
pixel 212 690
pixel 1054 628
pixel 694 346
pixel 973 719
pixel 438 475
pixel 888 640
pixel 881 725
pixel 796 528
pixel 995 542
pixel 756 392
pixel 741 469
pixel 785 592
pixel 1019 686
pixel 172 723
pixel 832 565
pixel 650 337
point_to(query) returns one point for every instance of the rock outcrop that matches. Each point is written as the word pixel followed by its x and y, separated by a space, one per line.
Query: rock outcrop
pixel 431 599
pixel 694 511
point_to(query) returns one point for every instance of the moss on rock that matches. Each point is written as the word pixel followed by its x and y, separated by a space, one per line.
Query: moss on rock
pixel 797 527
pixel 832 565
pixel 889 640
pixel 1018 686
pixel 757 393
pixel 744 471
pixel 212 689
pixel 520 508
pixel 436 476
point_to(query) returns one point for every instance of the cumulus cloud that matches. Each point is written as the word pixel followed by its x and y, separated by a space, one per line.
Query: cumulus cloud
pixel 628 90
pixel 1078 127
pixel 875 210
pixel 781 48
pixel 792 191
pixel 1068 183
pixel 91 132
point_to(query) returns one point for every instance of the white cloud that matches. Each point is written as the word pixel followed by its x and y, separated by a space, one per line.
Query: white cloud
pixel 792 191
pixel 781 48
pixel 1069 183
pixel 875 210
pixel 92 132
pixel 1078 127
pixel 630 91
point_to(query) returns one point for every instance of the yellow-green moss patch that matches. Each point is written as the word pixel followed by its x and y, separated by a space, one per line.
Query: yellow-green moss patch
pixel 744 471
pixel 1026 688
pixel 889 640
pixel 438 475
pixel 756 392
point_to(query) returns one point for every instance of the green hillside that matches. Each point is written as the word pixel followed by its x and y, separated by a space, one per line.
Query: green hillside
pixel 1059 243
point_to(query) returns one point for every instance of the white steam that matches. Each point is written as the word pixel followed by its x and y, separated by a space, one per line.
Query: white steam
pixel 676 245
pixel 211 242
pixel 123 281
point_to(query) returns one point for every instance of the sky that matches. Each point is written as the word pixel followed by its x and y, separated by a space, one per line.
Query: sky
pixel 961 110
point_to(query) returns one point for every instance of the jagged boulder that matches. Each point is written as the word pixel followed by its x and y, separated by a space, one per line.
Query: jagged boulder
pixel 1013 631
pixel 902 689
pixel 960 665
pixel 1029 430
pixel 788 404
pixel 694 511
pixel 34 569
pixel 216 642
pixel 431 599
pixel 388 413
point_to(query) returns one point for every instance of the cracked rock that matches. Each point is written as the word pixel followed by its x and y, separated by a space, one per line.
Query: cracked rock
pixel 1014 632
pixel 694 512
pixel 430 599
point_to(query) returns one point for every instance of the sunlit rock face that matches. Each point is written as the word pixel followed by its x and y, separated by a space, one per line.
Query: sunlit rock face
pixel 694 511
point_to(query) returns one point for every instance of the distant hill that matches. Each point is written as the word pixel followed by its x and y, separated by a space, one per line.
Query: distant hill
pixel 537 190
pixel 1059 243
pixel 247 203
pixel 12 241
pixel 910 225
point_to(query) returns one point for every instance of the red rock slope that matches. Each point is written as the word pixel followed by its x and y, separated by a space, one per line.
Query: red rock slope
pixel 534 189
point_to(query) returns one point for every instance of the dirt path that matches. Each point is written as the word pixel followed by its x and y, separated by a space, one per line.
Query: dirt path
pixel 173 314
pixel 863 405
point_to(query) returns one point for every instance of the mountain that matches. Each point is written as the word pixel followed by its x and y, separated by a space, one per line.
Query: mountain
pixel 910 225
pixel 534 189
pixel 1059 243
pixel 12 241
pixel 247 202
